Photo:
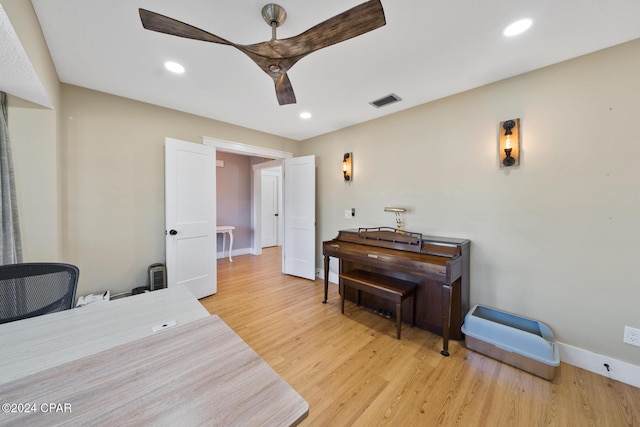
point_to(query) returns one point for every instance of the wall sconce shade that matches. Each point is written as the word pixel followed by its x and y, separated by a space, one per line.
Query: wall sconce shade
pixel 347 166
pixel 509 143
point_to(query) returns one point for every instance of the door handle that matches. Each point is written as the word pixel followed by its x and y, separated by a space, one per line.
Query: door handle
pixel 173 232
pixel 275 214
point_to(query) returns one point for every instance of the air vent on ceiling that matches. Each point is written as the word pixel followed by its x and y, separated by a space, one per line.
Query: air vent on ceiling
pixel 386 100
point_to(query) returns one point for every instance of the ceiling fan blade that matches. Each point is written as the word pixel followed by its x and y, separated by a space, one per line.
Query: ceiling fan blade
pixel 354 22
pixel 163 24
pixel 284 90
pixel 276 57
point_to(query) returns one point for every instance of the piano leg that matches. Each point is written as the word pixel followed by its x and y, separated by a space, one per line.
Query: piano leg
pixel 398 318
pixel 446 318
pixel 326 279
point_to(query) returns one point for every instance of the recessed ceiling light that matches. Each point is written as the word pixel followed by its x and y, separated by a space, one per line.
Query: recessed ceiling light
pixel 518 27
pixel 174 67
pixel 305 115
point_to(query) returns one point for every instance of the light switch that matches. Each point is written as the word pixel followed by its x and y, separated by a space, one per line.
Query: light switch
pixel 347 214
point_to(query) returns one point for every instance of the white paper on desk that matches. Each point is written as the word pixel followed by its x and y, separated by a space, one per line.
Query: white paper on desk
pixel 91 298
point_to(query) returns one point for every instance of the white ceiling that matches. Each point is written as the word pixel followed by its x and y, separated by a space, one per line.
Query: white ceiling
pixel 17 75
pixel 429 49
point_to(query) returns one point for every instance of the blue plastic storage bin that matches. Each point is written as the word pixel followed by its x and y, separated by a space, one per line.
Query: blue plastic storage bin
pixel 524 343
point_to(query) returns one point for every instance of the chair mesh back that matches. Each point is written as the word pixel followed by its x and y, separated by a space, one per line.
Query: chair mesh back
pixel 33 289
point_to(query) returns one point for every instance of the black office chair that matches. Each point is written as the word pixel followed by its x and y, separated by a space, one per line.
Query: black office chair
pixel 33 289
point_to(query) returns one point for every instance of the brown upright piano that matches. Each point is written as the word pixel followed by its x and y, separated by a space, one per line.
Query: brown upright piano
pixel 438 265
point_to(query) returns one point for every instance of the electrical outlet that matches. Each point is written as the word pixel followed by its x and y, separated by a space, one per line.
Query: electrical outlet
pixel 632 335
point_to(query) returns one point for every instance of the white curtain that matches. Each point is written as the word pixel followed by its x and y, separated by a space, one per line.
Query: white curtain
pixel 10 244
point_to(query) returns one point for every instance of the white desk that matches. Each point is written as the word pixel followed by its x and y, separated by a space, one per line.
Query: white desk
pixel 199 372
pixel 35 344
pixel 226 229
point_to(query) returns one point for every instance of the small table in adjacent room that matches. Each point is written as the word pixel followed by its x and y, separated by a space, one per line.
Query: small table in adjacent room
pixel 226 229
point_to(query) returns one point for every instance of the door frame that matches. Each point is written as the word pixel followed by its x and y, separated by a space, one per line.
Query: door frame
pixel 256 204
pixel 256 190
pixel 275 172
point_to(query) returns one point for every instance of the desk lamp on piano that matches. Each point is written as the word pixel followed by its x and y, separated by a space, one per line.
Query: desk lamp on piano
pixel 439 266
pixel 399 213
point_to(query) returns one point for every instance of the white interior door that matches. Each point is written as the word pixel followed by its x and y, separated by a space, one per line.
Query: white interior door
pixel 190 216
pixel 270 195
pixel 299 247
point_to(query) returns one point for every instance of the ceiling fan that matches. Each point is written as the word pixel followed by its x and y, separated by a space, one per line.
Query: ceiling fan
pixel 275 57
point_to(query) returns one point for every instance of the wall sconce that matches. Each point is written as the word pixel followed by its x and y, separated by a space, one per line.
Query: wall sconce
pixel 347 170
pixel 509 143
pixel 399 213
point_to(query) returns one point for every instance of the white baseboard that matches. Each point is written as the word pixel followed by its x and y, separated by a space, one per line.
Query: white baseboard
pixel 235 252
pixel 618 370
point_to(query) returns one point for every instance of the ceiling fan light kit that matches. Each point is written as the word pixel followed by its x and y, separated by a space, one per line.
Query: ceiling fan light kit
pixel 276 56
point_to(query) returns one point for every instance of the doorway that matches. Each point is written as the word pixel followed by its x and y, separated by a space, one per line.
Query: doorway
pixel 271 209
pixel 299 231
pixel 256 202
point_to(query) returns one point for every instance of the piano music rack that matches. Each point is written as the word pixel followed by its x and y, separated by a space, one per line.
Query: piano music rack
pixel 392 238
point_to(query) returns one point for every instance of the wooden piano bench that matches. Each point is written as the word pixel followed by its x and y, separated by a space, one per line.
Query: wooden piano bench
pixel 387 287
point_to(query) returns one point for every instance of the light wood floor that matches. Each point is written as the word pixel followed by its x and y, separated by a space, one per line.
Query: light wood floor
pixel 354 372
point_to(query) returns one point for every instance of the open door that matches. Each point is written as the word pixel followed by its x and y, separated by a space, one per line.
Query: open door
pixel 299 246
pixel 190 216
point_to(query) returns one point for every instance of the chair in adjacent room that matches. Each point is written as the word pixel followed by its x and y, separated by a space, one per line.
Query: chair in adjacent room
pixel 33 289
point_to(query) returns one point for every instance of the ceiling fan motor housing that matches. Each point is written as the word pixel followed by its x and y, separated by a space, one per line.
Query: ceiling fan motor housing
pixel 274 14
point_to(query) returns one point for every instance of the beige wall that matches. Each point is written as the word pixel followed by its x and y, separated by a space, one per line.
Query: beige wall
pixel 90 172
pixel 34 133
pixel 555 239
pixel 113 189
